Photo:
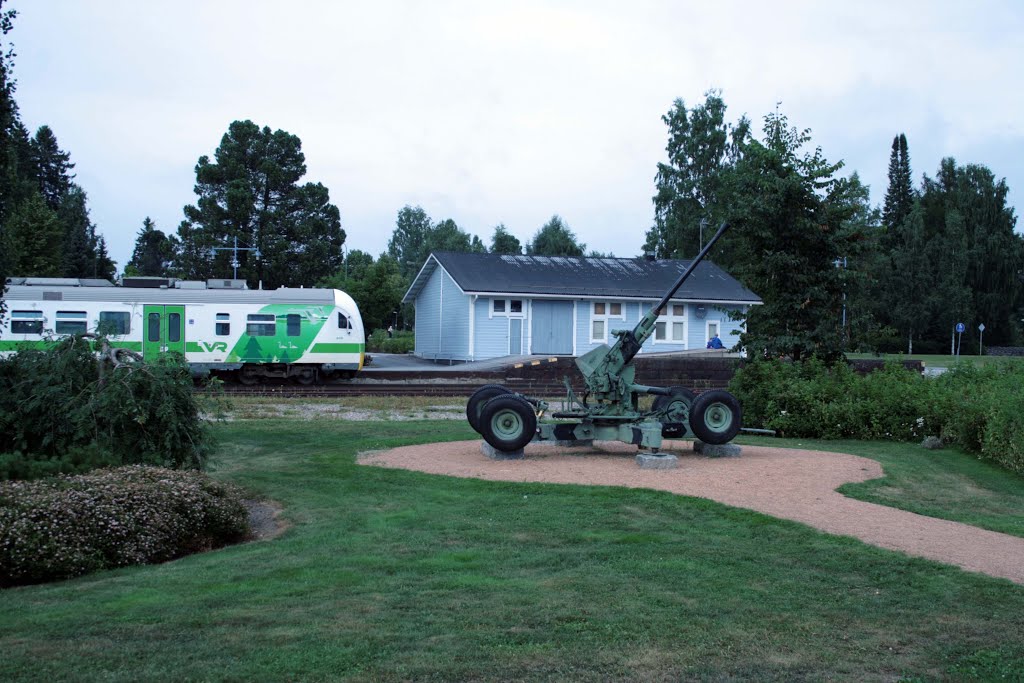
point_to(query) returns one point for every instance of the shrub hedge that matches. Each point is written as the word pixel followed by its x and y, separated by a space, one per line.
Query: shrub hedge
pixel 66 526
pixel 66 410
pixel 401 342
pixel 979 408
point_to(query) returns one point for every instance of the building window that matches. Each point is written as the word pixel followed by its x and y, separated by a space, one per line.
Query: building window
pixel 294 321
pixel 712 330
pixel 509 307
pixel 26 322
pixel 71 322
pixel 260 325
pixel 600 312
pixel 114 322
pixel 671 325
pixel 222 327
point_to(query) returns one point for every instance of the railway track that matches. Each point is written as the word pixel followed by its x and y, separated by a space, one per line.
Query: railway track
pixel 446 389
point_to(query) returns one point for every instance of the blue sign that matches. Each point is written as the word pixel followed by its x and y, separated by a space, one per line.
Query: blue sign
pixel 960 327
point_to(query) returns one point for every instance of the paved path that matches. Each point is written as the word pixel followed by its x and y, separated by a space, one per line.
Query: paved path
pixel 791 484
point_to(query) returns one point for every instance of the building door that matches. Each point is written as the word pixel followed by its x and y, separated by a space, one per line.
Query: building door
pixel 164 330
pixel 552 327
pixel 515 336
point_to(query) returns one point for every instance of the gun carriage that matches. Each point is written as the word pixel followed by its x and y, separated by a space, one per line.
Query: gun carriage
pixel 608 407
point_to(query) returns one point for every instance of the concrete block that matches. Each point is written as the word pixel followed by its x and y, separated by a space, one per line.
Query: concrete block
pixel 494 454
pixel 657 461
pixel 710 450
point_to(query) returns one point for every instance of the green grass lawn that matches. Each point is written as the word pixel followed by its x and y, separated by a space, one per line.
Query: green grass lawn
pixel 935 360
pixel 394 575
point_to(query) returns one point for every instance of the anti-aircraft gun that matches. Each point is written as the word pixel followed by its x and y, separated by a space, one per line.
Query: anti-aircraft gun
pixel 608 409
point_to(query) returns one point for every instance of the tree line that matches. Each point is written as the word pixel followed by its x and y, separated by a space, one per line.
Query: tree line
pixel 836 273
pixel 45 228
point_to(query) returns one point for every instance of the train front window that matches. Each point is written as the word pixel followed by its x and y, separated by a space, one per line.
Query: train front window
pixel 114 322
pixel 71 322
pixel 260 325
pixel 223 327
pixel 26 322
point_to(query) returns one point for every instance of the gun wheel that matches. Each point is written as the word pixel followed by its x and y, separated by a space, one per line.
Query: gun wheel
pixel 477 401
pixel 716 417
pixel 677 406
pixel 508 422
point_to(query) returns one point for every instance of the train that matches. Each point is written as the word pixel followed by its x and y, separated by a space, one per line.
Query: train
pixel 221 327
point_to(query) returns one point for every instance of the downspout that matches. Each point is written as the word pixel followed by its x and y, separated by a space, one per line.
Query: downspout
pixel 472 326
pixel 440 317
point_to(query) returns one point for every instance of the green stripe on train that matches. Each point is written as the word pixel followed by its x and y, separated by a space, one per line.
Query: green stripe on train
pixel 337 348
pixel 41 344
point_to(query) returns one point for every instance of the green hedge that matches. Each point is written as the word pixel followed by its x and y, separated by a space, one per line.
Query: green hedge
pixel 66 526
pixel 67 410
pixel 401 342
pixel 979 408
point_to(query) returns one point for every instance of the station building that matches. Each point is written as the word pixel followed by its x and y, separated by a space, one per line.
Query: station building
pixel 480 306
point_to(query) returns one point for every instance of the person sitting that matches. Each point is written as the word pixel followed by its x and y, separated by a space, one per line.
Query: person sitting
pixel 715 343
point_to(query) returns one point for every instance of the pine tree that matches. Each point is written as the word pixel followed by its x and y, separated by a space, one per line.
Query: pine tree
pixel 250 191
pixel 899 197
pixel 153 253
pixel 79 250
pixel 51 167
pixel 37 238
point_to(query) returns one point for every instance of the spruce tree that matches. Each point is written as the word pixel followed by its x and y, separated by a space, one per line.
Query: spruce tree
pixel 153 252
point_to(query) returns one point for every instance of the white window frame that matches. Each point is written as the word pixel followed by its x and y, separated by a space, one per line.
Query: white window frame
pixel 707 330
pixel 668 318
pixel 605 317
pixel 507 313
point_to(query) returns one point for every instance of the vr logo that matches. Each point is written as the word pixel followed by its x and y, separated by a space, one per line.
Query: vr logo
pixel 215 346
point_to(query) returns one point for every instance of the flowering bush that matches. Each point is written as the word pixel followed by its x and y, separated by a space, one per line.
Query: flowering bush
pixel 981 409
pixel 65 526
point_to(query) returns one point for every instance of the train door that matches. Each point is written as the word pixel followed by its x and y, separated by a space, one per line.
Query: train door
pixel 164 330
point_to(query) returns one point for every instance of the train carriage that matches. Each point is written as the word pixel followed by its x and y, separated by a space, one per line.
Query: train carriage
pixel 222 328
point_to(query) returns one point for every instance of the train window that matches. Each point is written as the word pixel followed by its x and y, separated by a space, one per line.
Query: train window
pixel 294 324
pixel 70 322
pixel 27 322
pixel 223 324
pixel 153 327
pixel 260 325
pixel 343 322
pixel 114 322
pixel 174 327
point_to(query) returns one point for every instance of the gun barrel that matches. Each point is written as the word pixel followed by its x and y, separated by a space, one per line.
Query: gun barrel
pixel 692 266
pixel 631 342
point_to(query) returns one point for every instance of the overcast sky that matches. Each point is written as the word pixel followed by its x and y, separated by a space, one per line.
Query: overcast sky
pixel 489 112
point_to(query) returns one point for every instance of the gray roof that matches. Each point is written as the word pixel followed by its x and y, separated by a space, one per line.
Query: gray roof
pixel 590 278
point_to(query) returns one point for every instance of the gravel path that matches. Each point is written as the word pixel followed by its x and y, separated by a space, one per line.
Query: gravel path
pixel 791 484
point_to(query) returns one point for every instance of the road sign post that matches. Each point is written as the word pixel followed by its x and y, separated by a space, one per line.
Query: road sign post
pixel 960 327
pixel 981 335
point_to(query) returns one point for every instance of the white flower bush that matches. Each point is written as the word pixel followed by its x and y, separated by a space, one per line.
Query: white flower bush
pixel 67 526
